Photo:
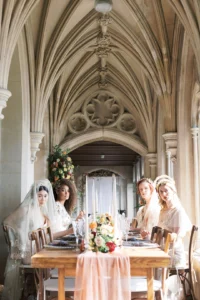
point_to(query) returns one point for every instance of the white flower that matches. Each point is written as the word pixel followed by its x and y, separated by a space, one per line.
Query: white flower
pixel 99 241
pixel 104 231
pixel 110 228
pixel 58 159
pixel 91 235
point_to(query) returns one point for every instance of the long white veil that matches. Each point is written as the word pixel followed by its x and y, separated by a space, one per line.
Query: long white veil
pixel 28 216
pixel 152 212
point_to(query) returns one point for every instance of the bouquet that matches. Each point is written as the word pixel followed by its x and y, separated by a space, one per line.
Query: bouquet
pixel 101 236
pixel 60 165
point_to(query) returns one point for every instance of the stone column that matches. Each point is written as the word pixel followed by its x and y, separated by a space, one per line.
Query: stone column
pixel 152 158
pixel 171 151
pixel 195 134
pixel 4 96
pixel 35 139
pixel 168 154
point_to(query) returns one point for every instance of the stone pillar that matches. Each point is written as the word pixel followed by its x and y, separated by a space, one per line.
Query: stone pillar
pixel 168 154
pixel 152 158
pixel 4 96
pixel 195 134
pixel 171 151
pixel 35 139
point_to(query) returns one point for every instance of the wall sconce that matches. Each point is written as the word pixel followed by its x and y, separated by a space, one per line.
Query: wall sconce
pixel 103 6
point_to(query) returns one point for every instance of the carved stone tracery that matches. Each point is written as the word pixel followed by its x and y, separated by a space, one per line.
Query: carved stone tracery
pixel 102 110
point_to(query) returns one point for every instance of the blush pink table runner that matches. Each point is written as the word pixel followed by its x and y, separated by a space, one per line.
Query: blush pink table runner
pixel 102 276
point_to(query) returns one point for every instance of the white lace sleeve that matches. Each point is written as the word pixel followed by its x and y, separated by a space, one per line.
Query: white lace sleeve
pixel 62 220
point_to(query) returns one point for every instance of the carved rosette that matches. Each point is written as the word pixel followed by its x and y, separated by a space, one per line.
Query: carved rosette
pixel 78 123
pixel 127 123
pixel 102 111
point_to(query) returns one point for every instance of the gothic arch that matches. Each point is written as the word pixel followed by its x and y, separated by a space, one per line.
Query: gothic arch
pixel 111 135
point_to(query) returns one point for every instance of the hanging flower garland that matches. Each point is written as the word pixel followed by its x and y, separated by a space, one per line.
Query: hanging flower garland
pixel 60 165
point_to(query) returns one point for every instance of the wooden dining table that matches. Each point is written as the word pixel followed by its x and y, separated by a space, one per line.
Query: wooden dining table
pixel 142 263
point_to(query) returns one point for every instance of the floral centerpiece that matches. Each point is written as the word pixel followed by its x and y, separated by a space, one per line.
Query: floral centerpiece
pixel 101 236
pixel 60 165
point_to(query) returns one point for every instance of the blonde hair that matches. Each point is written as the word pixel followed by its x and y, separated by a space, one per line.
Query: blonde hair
pixel 166 180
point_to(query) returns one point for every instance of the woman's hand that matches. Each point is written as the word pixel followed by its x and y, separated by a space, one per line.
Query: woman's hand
pixel 145 234
pixel 81 215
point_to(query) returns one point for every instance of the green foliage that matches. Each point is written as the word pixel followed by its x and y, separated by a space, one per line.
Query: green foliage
pixel 60 165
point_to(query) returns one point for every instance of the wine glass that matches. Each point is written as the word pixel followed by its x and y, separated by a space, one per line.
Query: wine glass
pixel 81 231
pixel 126 227
pixel 76 232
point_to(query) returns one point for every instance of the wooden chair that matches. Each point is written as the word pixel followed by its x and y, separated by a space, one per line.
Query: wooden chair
pixel 139 284
pixel 159 235
pixel 41 237
pixel 134 223
pixel 186 275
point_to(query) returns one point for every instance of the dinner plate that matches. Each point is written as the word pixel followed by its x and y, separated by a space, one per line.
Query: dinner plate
pixel 59 244
pixel 54 247
pixel 140 244
pixel 70 238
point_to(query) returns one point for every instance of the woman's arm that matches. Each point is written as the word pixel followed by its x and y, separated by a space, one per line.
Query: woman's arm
pixel 63 233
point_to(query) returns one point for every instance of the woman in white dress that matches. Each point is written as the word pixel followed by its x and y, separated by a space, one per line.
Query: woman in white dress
pixel 66 197
pixel 148 213
pixel 37 209
pixel 173 217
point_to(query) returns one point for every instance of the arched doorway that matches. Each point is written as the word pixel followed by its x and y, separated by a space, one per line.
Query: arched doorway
pixel 99 160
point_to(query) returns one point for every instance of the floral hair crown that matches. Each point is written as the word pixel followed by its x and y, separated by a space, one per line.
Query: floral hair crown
pixel 165 180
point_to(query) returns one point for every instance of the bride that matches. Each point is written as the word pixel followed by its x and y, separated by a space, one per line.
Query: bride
pixel 37 210
pixel 148 213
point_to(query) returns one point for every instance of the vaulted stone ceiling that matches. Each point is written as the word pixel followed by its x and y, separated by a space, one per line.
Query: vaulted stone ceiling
pixel 95 72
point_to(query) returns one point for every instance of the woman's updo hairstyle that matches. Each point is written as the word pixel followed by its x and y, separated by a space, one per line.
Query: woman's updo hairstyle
pixel 148 180
pixel 42 188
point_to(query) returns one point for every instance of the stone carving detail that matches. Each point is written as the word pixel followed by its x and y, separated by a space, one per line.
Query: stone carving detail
pixel 77 123
pixel 102 49
pixel 127 123
pixel 103 110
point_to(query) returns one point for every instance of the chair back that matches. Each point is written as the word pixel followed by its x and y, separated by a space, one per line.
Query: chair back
pixel 192 278
pixel 159 235
pixel 41 236
pixel 134 223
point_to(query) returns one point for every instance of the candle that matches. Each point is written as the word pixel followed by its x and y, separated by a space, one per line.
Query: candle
pixel 93 201
pixel 86 210
pixel 114 204
pixel 97 203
